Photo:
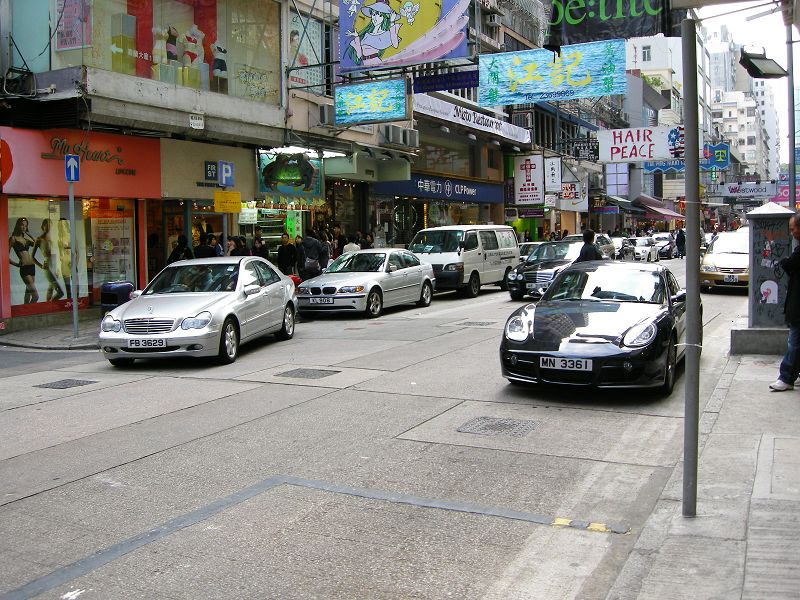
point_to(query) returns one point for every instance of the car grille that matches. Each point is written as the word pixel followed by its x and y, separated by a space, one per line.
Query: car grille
pixel 538 276
pixel 147 326
pixel 732 270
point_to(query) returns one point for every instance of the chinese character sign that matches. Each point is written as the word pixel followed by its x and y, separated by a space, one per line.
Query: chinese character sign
pixel 394 33
pixel 581 71
pixel 529 179
pixel 74 24
pixel 552 174
pixel 373 102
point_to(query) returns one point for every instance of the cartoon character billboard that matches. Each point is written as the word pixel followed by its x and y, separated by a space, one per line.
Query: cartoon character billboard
pixel 396 33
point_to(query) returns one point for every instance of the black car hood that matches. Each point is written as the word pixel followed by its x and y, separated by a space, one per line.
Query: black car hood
pixel 543 265
pixel 585 322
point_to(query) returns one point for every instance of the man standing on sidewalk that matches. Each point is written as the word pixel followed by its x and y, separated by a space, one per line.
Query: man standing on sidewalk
pixel 790 365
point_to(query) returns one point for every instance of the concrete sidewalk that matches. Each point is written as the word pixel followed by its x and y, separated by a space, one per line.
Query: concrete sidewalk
pixel 744 541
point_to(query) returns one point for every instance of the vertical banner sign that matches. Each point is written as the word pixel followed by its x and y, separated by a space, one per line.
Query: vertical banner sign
pixel 378 34
pixel 581 71
pixel 374 102
pixel 639 144
pixel 552 174
pixel 529 179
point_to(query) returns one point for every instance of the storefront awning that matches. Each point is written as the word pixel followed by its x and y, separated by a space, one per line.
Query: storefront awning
pixel 624 204
pixel 655 209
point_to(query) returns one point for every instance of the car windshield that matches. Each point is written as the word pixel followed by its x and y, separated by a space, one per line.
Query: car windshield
pixel 555 251
pixel 729 243
pixel 432 242
pixel 357 262
pixel 640 241
pixel 217 277
pixel 620 285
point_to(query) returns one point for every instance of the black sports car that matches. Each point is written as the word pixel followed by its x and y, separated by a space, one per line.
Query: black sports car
pixel 602 324
pixel 534 274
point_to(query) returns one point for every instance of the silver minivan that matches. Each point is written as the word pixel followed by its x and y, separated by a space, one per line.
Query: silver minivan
pixel 464 257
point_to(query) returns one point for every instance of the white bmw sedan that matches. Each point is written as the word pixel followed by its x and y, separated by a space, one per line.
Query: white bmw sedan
pixel 201 307
pixel 366 281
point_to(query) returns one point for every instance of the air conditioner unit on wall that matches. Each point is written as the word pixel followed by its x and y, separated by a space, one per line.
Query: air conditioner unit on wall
pixel 493 21
pixel 393 134
pixel 411 138
pixel 327 114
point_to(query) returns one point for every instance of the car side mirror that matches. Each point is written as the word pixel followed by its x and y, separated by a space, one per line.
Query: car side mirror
pixel 392 268
pixel 135 294
pixel 679 297
pixel 250 290
pixel 462 244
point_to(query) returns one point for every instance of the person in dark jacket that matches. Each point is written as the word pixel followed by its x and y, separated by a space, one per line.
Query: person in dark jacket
pixel 680 242
pixel 241 248
pixel 790 365
pixel 314 254
pixel 287 255
pixel 181 251
pixel 204 250
pixel 589 251
pixel 260 248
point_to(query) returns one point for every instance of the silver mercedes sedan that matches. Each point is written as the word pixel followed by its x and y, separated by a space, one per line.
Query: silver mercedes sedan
pixel 201 307
pixel 367 281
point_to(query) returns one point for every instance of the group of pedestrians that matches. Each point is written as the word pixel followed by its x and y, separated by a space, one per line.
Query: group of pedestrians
pixel 209 246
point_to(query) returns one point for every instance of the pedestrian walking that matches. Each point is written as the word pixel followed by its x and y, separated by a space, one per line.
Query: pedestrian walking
pixel 181 251
pixel 287 255
pixel 313 253
pixel 351 245
pixel 790 365
pixel 589 251
pixel 680 242
pixel 260 248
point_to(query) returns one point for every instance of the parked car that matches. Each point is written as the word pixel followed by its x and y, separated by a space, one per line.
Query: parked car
pixel 642 248
pixel 665 244
pixel 201 307
pixel 535 273
pixel 603 324
pixel 601 240
pixel 464 257
pixel 526 248
pixel 367 281
pixel 726 261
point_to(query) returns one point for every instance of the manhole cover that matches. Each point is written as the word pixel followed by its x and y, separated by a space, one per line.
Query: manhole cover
pixel 476 323
pixel 307 373
pixel 495 426
pixel 63 384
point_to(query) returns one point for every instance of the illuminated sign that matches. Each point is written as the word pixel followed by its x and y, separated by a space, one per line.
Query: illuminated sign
pixel 373 102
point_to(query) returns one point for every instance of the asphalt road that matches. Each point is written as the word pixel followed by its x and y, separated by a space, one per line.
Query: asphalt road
pixel 345 463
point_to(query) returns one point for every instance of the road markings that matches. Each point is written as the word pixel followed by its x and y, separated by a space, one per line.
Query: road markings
pixel 103 557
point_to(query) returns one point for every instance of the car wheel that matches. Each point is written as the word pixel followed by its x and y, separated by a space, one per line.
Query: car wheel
pixel 228 342
pixel 374 303
pixel 287 331
pixel 504 283
pixel 669 368
pixel 473 286
pixel 121 362
pixel 517 295
pixel 426 295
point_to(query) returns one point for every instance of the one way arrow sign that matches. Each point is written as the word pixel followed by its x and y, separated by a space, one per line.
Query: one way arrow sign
pixel 72 168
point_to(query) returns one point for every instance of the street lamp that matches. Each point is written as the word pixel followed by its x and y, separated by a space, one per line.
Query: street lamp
pixel 758 66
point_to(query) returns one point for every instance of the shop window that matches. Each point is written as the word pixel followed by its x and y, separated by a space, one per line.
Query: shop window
pixel 444 155
pixel 226 46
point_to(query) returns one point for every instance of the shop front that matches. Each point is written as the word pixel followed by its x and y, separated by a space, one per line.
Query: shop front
pixel 402 208
pixel 117 175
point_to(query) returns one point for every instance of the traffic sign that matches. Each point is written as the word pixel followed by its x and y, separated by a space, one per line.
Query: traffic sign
pixel 225 173
pixel 72 168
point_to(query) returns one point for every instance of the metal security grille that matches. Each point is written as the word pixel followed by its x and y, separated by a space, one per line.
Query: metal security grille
pixel 495 426
pixel 145 326
pixel 307 373
pixel 63 384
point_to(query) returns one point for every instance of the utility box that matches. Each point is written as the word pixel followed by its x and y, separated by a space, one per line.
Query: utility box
pixel 770 242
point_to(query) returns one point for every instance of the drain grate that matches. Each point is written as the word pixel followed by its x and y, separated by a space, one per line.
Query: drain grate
pixel 495 426
pixel 308 373
pixel 477 323
pixel 63 384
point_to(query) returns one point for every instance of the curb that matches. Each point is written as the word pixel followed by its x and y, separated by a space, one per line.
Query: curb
pixel 76 346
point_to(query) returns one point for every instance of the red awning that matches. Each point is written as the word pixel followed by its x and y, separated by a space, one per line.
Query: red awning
pixel 654 212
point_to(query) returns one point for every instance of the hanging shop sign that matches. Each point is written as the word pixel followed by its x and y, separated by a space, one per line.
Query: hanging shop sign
pixel 715 157
pixel 581 71
pixel 552 174
pixel 375 35
pixel 529 179
pixel 764 189
pixel 581 148
pixel 573 21
pixel 374 102
pixel 446 111
pixel 288 174
pixel 446 81
pixel 638 144
pixel 442 188
pixel 574 196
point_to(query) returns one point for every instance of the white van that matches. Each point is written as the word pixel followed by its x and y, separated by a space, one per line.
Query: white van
pixel 464 257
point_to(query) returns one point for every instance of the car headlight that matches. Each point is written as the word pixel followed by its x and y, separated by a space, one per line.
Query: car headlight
pixel 302 290
pixel 518 328
pixel 513 276
pixel 454 267
pixel 198 322
pixel 708 268
pixel 109 323
pixel 640 335
pixel 351 289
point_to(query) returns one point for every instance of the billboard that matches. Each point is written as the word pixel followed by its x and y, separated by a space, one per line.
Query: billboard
pixel 305 48
pixel 373 102
pixel 392 33
pixel 639 144
pixel 289 174
pixel 581 71
pixel 529 179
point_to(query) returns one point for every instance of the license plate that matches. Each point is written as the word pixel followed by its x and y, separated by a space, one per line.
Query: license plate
pixel 730 278
pixel 530 286
pixel 565 364
pixel 147 343
pixel 320 300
